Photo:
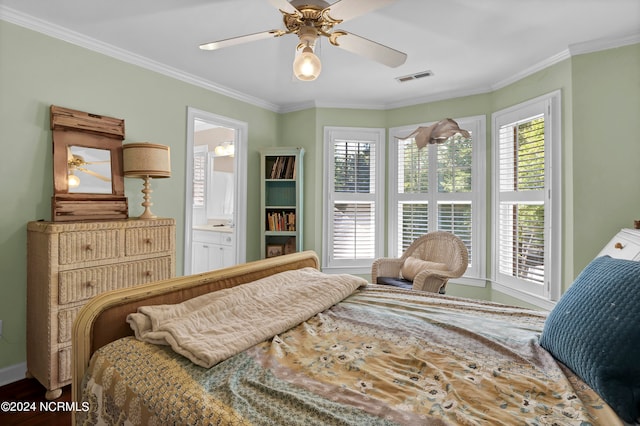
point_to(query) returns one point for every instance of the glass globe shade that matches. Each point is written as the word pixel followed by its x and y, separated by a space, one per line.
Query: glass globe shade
pixel 307 66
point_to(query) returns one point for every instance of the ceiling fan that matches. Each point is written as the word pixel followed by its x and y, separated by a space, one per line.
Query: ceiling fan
pixel 77 163
pixel 310 19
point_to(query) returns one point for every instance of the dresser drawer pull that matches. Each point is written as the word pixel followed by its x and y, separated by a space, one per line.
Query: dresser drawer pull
pixel 91 283
pixel 619 246
pixel 88 247
pixel 148 273
pixel 148 240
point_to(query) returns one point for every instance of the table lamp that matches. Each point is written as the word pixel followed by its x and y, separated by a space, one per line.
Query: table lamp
pixel 146 161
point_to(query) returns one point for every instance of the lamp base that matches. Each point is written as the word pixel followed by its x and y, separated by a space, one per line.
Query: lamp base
pixel 146 190
pixel 147 214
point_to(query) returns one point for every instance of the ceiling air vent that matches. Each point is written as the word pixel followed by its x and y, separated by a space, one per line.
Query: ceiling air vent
pixel 410 77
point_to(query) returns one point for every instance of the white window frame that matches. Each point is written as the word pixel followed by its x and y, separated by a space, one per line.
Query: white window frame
pixel 475 274
pixel 539 295
pixel 377 137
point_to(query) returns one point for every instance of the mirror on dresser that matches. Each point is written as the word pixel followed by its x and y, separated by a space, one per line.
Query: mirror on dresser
pixel 215 217
pixel 89 170
pixel 88 180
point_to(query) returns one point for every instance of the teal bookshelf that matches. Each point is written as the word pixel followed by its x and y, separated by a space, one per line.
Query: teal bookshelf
pixel 281 179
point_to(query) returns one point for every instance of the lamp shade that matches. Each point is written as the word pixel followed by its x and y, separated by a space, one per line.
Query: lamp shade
pixel 146 159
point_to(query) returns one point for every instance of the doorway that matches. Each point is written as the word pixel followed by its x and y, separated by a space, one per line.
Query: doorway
pixel 215 193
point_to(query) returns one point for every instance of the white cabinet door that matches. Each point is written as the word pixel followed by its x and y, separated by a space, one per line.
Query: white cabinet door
pixel 227 256
pixel 200 257
pixel 213 251
pixel 228 250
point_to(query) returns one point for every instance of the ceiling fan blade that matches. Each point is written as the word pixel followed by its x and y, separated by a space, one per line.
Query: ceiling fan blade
pixel 214 45
pixel 284 6
pixel 367 48
pixel 94 174
pixel 349 9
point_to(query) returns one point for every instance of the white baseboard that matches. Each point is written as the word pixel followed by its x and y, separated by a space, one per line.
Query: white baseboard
pixel 13 373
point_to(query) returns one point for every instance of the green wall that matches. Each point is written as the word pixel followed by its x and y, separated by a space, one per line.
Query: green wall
pixel 606 154
pixel 37 71
pixel 601 106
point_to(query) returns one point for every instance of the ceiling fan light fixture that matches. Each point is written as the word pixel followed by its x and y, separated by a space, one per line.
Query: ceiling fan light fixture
pixel 73 181
pixel 306 65
pixel 310 19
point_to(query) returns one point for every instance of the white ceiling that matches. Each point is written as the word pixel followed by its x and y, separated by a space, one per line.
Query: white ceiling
pixel 471 46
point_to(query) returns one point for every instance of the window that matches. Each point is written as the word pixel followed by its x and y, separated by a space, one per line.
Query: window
pixel 439 188
pixel 352 216
pixel 526 147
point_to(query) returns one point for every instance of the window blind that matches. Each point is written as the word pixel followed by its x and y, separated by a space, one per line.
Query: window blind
pixel 435 190
pixel 521 212
pixel 199 176
pixel 413 168
pixel 413 223
pixel 456 218
pixel 354 209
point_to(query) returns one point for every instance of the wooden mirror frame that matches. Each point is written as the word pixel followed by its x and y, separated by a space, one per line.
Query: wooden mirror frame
pixel 76 128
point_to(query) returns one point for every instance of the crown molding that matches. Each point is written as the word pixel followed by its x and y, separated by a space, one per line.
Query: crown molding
pixel 388 106
pixel 573 50
pixel 64 34
pixel 443 96
pixel 603 44
pixel 546 63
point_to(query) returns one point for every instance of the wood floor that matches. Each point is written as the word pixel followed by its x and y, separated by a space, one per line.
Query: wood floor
pixel 30 393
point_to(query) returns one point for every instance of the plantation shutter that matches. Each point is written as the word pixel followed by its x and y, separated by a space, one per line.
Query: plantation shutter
pixel 456 218
pixel 353 200
pixel 455 189
pixel 199 176
pixel 434 190
pixel 413 188
pixel 521 202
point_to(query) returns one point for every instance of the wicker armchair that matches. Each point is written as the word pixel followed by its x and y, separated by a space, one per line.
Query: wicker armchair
pixel 427 264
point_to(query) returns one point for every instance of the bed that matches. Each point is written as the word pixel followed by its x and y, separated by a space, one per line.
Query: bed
pixel 377 355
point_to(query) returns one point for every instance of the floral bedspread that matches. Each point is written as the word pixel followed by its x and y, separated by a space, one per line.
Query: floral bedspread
pixel 380 357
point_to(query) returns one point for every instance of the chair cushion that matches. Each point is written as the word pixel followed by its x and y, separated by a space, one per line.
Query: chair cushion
pixel 594 330
pixel 412 266
pixel 397 282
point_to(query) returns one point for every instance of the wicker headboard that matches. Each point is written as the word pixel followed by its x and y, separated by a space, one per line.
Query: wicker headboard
pixel 103 318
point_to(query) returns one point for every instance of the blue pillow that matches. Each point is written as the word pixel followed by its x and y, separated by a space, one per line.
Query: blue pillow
pixel 594 329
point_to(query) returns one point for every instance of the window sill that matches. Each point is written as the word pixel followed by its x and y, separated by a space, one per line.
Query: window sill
pixel 525 297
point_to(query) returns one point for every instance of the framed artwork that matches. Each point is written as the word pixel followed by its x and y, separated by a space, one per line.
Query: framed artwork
pixel 290 245
pixel 275 250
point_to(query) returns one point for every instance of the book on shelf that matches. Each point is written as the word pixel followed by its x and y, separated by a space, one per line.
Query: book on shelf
pixel 281 221
pixel 284 167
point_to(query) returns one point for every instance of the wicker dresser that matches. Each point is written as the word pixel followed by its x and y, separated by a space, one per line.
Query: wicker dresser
pixel 68 263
